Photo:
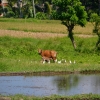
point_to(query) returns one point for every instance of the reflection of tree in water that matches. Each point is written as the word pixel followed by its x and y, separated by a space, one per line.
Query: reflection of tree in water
pixel 66 82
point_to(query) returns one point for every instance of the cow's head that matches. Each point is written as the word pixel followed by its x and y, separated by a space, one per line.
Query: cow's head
pixel 39 51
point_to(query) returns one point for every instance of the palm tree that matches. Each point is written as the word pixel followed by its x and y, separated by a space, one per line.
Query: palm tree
pixel 34 9
pixel 20 4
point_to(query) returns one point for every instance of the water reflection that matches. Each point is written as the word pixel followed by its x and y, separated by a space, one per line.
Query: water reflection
pixel 79 84
pixel 48 85
pixel 66 82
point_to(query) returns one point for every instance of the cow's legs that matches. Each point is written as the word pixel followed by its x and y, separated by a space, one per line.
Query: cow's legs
pixel 49 61
pixel 46 59
pixel 55 60
pixel 43 61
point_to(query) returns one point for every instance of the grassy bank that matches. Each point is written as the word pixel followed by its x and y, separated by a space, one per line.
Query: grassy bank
pixel 20 54
pixel 76 97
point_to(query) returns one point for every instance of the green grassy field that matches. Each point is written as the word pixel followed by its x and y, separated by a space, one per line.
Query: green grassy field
pixel 20 54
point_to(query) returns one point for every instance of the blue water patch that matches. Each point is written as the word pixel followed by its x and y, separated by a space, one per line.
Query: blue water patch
pixel 69 84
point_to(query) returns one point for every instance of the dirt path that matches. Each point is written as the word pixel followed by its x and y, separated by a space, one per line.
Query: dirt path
pixel 21 34
pixel 41 35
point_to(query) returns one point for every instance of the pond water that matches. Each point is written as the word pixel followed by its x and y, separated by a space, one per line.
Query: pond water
pixel 70 84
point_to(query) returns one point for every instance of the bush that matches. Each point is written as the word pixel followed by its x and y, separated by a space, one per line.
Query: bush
pixel 10 14
pixel 54 15
pixel 41 15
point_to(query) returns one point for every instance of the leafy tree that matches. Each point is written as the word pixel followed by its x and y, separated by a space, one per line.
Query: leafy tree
pixel 24 7
pixel 7 10
pixel 11 3
pixel 95 19
pixel 12 11
pixel 71 13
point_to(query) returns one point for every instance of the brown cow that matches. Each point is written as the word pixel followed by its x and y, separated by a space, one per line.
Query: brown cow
pixel 47 55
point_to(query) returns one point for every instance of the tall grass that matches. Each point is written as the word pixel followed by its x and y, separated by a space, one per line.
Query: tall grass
pixel 28 47
pixel 21 54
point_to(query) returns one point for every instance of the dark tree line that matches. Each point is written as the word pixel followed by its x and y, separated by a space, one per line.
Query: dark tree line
pixel 44 8
pixel 91 6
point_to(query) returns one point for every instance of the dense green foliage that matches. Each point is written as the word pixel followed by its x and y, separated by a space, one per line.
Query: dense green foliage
pixel 26 10
pixel 71 13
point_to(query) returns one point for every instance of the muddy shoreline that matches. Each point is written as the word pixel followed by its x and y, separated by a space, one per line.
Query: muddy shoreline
pixel 36 73
pixel 48 73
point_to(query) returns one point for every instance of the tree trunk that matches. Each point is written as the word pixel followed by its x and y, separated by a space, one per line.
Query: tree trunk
pixel 72 40
pixel 98 42
pixel 70 35
pixel 19 4
pixel 34 9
